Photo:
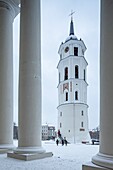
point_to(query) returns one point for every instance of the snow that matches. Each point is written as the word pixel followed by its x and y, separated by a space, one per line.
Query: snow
pixel 70 157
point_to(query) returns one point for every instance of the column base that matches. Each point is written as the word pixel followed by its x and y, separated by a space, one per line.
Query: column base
pixel 2 151
pixel 29 150
pixel 29 157
pixel 91 166
pixel 5 148
pixel 103 160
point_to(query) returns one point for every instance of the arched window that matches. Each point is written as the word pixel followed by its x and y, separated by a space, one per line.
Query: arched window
pixel 60 113
pixel 60 125
pixel 76 72
pixel 66 73
pixel 75 51
pixel 82 124
pixel 76 95
pixel 66 96
pixel 84 75
pixel 82 113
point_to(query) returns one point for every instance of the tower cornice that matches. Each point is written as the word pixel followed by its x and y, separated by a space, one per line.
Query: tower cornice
pixel 71 56
pixel 71 103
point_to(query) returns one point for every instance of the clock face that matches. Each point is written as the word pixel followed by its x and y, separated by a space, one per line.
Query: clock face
pixel 66 49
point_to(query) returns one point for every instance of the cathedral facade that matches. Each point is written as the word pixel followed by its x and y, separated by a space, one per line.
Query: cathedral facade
pixel 72 89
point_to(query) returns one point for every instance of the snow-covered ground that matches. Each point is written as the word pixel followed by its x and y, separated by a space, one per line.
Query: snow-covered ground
pixel 70 157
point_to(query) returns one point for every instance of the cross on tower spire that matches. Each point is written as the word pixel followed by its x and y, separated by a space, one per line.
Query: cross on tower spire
pixel 71 24
pixel 71 14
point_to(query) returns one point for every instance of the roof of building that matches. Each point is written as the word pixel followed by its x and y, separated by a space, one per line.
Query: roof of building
pixel 71 32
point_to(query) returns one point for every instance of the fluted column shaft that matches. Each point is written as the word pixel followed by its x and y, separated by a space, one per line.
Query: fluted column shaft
pixel 7 15
pixel 30 77
pixel 105 156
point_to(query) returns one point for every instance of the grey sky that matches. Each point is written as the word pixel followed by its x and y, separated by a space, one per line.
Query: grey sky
pixel 55 23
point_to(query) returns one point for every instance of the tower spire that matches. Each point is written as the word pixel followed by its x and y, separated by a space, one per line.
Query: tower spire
pixel 71 24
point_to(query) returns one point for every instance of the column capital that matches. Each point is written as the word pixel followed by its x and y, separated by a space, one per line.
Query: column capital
pixel 11 5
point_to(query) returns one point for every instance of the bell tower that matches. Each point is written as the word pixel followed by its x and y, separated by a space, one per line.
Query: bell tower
pixel 72 89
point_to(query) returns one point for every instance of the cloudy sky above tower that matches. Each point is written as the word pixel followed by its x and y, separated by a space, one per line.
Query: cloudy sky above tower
pixel 55 23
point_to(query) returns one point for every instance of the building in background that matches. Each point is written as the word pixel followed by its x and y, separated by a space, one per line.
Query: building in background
pixel 51 132
pixel 95 135
pixel 44 132
pixel 72 89
pixel 48 132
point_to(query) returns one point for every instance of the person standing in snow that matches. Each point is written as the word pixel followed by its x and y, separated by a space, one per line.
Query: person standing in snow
pixel 57 142
pixel 65 141
pixel 62 142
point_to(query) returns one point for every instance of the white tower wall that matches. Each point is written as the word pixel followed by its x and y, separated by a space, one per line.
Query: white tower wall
pixel 72 90
pixel 70 118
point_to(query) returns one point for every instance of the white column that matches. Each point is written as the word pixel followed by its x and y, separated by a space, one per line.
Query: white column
pixel 7 14
pixel 30 78
pixel 105 156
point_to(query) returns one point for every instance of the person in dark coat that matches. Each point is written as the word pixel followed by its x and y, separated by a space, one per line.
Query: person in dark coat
pixel 57 142
pixel 65 141
pixel 62 142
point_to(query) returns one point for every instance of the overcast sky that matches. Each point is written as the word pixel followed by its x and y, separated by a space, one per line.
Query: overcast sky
pixel 55 23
